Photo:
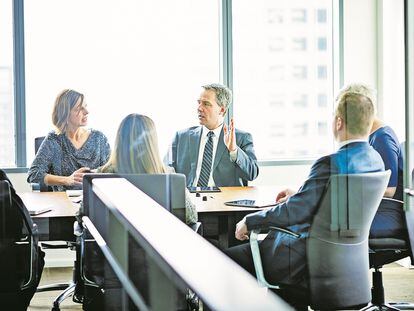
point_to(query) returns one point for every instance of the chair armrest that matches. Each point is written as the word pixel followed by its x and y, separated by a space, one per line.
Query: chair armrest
pixel 392 200
pixel 257 260
pixel 284 230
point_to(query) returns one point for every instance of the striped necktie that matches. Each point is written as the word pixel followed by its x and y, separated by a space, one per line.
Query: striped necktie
pixel 207 160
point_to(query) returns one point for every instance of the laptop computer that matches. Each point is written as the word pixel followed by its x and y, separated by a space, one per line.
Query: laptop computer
pixel 251 203
pixel 33 211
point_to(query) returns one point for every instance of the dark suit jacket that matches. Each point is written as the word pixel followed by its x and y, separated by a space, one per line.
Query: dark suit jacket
pixel 184 159
pixel 284 257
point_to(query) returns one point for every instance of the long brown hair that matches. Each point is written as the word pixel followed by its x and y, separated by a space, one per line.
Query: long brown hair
pixel 136 147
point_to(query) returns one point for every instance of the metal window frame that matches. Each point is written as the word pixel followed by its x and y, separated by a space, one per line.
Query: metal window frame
pixel 409 99
pixel 19 83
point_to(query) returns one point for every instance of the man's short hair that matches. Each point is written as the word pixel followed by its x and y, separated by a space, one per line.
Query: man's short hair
pixel 359 88
pixel 357 111
pixel 223 94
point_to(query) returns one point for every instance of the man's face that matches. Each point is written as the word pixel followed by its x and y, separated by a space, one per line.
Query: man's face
pixel 210 114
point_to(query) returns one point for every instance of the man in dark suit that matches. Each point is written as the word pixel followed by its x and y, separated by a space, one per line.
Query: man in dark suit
pixel 284 257
pixel 13 264
pixel 213 154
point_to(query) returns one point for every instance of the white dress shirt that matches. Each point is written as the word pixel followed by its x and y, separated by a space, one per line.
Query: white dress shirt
pixel 203 142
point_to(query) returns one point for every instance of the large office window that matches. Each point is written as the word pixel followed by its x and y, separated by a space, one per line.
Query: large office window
pixel 7 128
pixel 129 56
pixel 283 76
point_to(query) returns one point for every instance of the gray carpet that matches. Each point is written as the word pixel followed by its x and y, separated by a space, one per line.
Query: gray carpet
pixel 398 283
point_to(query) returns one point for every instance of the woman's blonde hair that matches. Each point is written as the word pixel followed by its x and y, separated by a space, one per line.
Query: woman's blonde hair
pixel 64 103
pixel 136 148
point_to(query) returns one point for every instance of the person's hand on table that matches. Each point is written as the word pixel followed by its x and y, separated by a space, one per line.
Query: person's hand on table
pixel 77 176
pixel 241 230
pixel 284 195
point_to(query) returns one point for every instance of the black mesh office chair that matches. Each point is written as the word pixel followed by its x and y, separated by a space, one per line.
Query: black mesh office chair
pixel 387 250
pixel 337 246
pixel 19 269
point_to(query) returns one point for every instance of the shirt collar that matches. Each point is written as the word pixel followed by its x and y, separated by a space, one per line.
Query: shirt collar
pixel 216 131
pixel 347 142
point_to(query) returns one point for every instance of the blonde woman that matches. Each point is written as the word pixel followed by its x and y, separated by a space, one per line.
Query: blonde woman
pixel 136 152
pixel 71 150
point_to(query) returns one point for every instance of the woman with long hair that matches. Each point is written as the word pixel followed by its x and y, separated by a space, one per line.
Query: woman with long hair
pixel 136 152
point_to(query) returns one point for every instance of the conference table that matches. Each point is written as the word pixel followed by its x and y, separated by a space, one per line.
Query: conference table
pixel 218 219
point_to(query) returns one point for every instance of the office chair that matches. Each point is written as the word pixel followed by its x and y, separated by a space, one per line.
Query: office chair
pixel 165 189
pixel 42 187
pixel 18 252
pixel 337 246
pixel 387 250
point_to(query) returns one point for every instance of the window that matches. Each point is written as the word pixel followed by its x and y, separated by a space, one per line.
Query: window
pixel 136 57
pixel 275 16
pixel 322 72
pixel 300 101
pixel 322 45
pixel 276 44
pixel 300 72
pixel 322 100
pixel 279 71
pixel 7 125
pixel 299 44
pixel 321 16
pixel 299 15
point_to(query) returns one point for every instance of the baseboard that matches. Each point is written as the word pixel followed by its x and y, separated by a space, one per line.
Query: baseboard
pixel 59 258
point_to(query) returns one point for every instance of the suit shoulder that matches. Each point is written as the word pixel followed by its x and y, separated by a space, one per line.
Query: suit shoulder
pixel 241 132
pixel 186 131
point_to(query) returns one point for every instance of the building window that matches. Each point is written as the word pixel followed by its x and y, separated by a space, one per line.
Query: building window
pixel 321 16
pixel 299 44
pixel 322 128
pixel 322 72
pixel 277 73
pixel 322 45
pixel 300 101
pixel 322 101
pixel 275 16
pixel 276 44
pixel 300 72
pixel 299 15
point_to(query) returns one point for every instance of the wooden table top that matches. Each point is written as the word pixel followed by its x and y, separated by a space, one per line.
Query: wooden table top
pixel 58 202
pixel 61 205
